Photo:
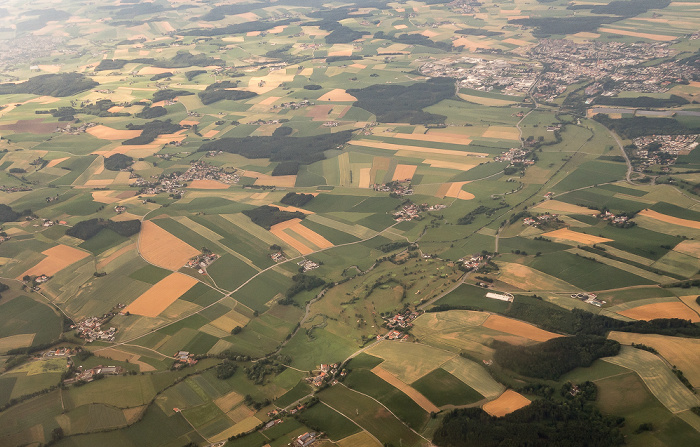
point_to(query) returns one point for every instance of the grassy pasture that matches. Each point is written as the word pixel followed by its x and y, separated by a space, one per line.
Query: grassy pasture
pixel 442 388
pixel 335 425
pixel 23 315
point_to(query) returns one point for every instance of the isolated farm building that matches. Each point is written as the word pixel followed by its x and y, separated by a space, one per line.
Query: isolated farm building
pixel 500 296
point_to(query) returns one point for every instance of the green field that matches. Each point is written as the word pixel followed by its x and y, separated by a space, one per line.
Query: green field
pixel 442 388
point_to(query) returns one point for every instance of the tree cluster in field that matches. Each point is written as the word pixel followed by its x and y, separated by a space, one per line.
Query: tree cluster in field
pixel 304 150
pixel 414 39
pixel 394 103
pixel 245 27
pixel 575 421
pixel 150 131
pixel 193 74
pixel 391 246
pixel 226 369
pixel 301 283
pixel 552 358
pixel 149 112
pixel 331 59
pixel 296 199
pixel 223 90
pixel 638 126
pixel 478 32
pixel 39 19
pixel 264 367
pixel 98 108
pixel 159 76
pixel 87 229
pixel 266 216
pixel 481 209
pixel 118 64
pixel 7 214
pixel 220 12
pixel 57 85
pixel 169 94
pixel 117 162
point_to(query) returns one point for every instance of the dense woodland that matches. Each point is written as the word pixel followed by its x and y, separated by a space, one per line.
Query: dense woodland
pixel 642 101
pixel 151 112
pixel 296 199
pixel 639 126
pixel 399 103
pixel 87 229
pixel 57 85
pixel 552 358
pixel 169 94
pixel 266 216
pixel 150 131
pixel 117 162
pixel 304 150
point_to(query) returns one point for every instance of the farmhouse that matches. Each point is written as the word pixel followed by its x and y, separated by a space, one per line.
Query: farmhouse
pixel 500 296
pixel 305 440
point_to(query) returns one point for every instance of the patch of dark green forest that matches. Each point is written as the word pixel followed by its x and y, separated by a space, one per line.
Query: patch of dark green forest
pixel 304 150
pixel 301 283
pixel 642 101
pixel 286 168
pixel 56 85
pixel 478 32
pixel 296 199
pixel 181 60
pixel 117 162
pixel 553 358
pixel 639 126
pixel 87 229
pixel 224 90
pixel 40 17
pixel 220 12
pixel 151 112
pixel 404 103
pixel 543 423
pixel 169 94
pixel 193 74
pixel 266 216
pixel 7 214
pixel 414 39
pixel 239 28
pixel 150 131
pixel 100 108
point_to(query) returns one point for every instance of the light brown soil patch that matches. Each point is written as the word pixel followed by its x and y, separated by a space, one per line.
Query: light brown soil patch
pixel 293 209
pixel 103 263
pixel 454 190
pixel 210 134
pixel 662 310
pixel 115 109
pixel 207 184
pixel 469 44
pixel 404 172
pixel 337 95
pixel 518 42
pixel 435 138
pixel 319 112
pixel 103 197
pixel 586 239
pixel 259 195
pixel 515 327
pixel 502 132
pixel 563 207
pixel 154 70
pixel 35 126
pixel 57 258
pixel 56 161
pixel 295 226
pixel 161 248
pixel 406 389
pixel 670 219
pixel 228 402
pixel 50 68
pixel 585 35
pixel 270 100
pixel 285 181
pixel 188 123
pixel 506 403
pixel 486 101
pixel 107 133
pixel 164 293
pixel 123 356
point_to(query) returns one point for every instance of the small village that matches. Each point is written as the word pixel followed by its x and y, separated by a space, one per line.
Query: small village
pixel 327 373
pixel 202 261
pixel 175 182
pixel 473 263
pixel 88 375
pixel 515 155
pixel 410 211
pixel 662 149
pixel 183 359
pixel 613 219
pixel 91 328
pixel 588 298
pixel 307 265
pixel 543 220
pixel 396 187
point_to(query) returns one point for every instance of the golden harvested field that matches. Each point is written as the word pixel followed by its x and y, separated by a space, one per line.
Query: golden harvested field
pixel 658 37
pixel 434 137
pixel 188 123
pixel 679 351
pixel 691 302
pixel 364 178
pixel 506 403
pixel 670 219
pixel 108 133
pixel 16 341
pixel 104 196
pixel 259 195
pixel 585 35
pixel 502 132
pixel 210 133
pixel 161 248
pixel 689 247
pixel 337 95
pixel 404 172
pixel 284 181
pixel 486 101
pixel 361 439
pixel 243 426
pixel 582 238
pixel 519 328
pixel 662 310
pixel 293 209
pixel 295 226
pixel 263 84
pixel 469 44
pixel 454 190
pixel 269 100
pixel 207 184
pixel 57 258
pixel 229 401
pixel 406 389
pixel 56 161
pixel 442 164
pixel 123 356
pixel 164 293
pixel 563 207
pixel 154 70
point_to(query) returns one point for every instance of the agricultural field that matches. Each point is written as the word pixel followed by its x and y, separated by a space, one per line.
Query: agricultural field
pixel 247 221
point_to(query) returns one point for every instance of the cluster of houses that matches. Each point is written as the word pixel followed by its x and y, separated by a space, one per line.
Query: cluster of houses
pixel 278 256
pixel 403 320
pixel 293 105
pixel 515 155
pixel 397 187
pixel 184 358
pixel 307 265
pixel 326 373
pixel 21 188
pixel 407 212
pixel 89 375
pixel 473 263
pixel 305 440
pixel 588 298
pixel 71 129
pixel 58 352
pixel 201 262
pixel 393 335
pixel 119 209
pixel 542 219
pixel 663 149
pixel 614 219
pixel 175 182
pixel 91 329
pixel 331 124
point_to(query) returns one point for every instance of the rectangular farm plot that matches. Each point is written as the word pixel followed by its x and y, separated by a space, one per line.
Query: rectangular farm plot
pixel 415 396
pixel 581 238
pixel 409 362
pixel 670 219
pixel 506 403
pixel 442 388
pixel 161 248
pixel 298 236
pixel 515 327
pixel 57 258
pixel 161 295
pixel 404 172
pixel 662 310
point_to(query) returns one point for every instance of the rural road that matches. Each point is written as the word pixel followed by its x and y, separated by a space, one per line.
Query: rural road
pixel 624 154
